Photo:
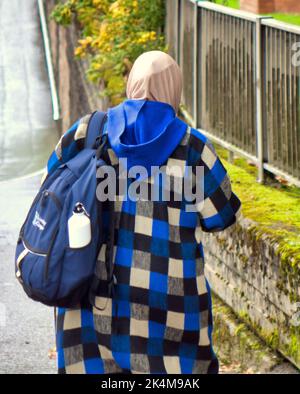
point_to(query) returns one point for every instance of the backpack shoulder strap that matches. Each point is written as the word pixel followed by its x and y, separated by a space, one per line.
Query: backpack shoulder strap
pixel 94 128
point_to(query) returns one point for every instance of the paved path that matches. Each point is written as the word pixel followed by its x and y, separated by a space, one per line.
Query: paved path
pixel 27 135
pixel 26 327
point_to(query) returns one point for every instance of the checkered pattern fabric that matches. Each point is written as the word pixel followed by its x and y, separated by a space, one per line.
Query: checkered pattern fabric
pixel 159 320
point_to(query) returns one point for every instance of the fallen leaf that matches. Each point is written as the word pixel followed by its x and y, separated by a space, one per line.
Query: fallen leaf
pixel 52 354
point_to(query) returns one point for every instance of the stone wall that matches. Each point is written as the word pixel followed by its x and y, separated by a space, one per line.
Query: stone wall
pixel 267 6
pixel 248 275
pixel 77 96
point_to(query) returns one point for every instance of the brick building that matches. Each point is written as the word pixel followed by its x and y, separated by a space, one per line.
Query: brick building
pixel 266 6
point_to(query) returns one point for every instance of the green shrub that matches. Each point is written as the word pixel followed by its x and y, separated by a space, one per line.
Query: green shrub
pixel 113 35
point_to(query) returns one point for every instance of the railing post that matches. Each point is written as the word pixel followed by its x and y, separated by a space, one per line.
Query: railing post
pixel 259 97
pixel 46 39
pixel 259 113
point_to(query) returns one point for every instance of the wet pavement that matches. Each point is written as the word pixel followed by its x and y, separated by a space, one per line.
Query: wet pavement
pixel 27 135
pixel 27 131
pixel 26 327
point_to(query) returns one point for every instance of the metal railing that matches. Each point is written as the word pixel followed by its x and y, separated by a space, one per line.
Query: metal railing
pixel 47 46
pixel 241 86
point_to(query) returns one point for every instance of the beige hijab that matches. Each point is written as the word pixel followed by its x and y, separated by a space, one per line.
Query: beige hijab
pixel 155 76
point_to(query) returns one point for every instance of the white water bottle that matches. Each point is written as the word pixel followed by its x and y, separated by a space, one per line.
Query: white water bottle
pixel 79 227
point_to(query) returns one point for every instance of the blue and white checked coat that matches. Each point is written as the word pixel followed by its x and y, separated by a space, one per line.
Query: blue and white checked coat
pixel 160 318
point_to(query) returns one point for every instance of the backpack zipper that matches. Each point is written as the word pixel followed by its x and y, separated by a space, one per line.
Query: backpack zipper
pixel 21 257
pixel 44 194
pixel 33 251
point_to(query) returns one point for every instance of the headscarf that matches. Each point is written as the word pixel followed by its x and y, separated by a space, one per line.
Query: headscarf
pixel 144 129
pixel 155 76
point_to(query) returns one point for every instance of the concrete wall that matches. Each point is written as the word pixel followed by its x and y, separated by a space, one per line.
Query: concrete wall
pixel 267 6
pixel 77 96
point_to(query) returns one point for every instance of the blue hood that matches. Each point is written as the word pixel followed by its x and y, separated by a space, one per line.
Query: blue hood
pixel 145 132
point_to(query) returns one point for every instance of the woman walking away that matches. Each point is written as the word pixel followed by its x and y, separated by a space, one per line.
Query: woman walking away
pixel 158 318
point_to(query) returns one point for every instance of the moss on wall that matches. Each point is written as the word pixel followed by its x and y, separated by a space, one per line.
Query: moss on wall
pixel 275 211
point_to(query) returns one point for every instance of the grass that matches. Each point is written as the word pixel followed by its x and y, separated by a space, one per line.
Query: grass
pixel 229 3
pixel 293 19
pixel 274 207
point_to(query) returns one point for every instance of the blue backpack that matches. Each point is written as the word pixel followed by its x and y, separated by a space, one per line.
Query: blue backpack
pixel 49 270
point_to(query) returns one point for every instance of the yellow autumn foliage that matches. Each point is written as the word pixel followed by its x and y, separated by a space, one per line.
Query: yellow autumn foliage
pixel 113 34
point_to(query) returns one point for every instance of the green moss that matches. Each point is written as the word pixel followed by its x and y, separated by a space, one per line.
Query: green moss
pixel 292 349
pixel 247 342
pixel 240 346
pixel 273 207
pixel 272 339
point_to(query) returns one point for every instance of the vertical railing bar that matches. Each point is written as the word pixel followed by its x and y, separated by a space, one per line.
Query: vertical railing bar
pixel 223 75
pixel 235 80
pixel 208 54
pixel 259 118
pixel 242 87
pixel 216 71
pixel 281 96
pixel 247 64
pixel 287 164
pixel 253 90
pixel 274 95
pixel 199 67
pixel 231 97
pixel 235 83
pixel 180 5
pixel 252 75
pixel 268 96
pixel 241 28
pixel 297 70
pixel 296 125
pixel 203 67
pixel 248 112
pixel 210 85
pixel 195 66
pixel 291 103
pixel 217 74
pixel 238 64
pixel 177 30
pixel 233 75
pixel 271 93
pixel 227 70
